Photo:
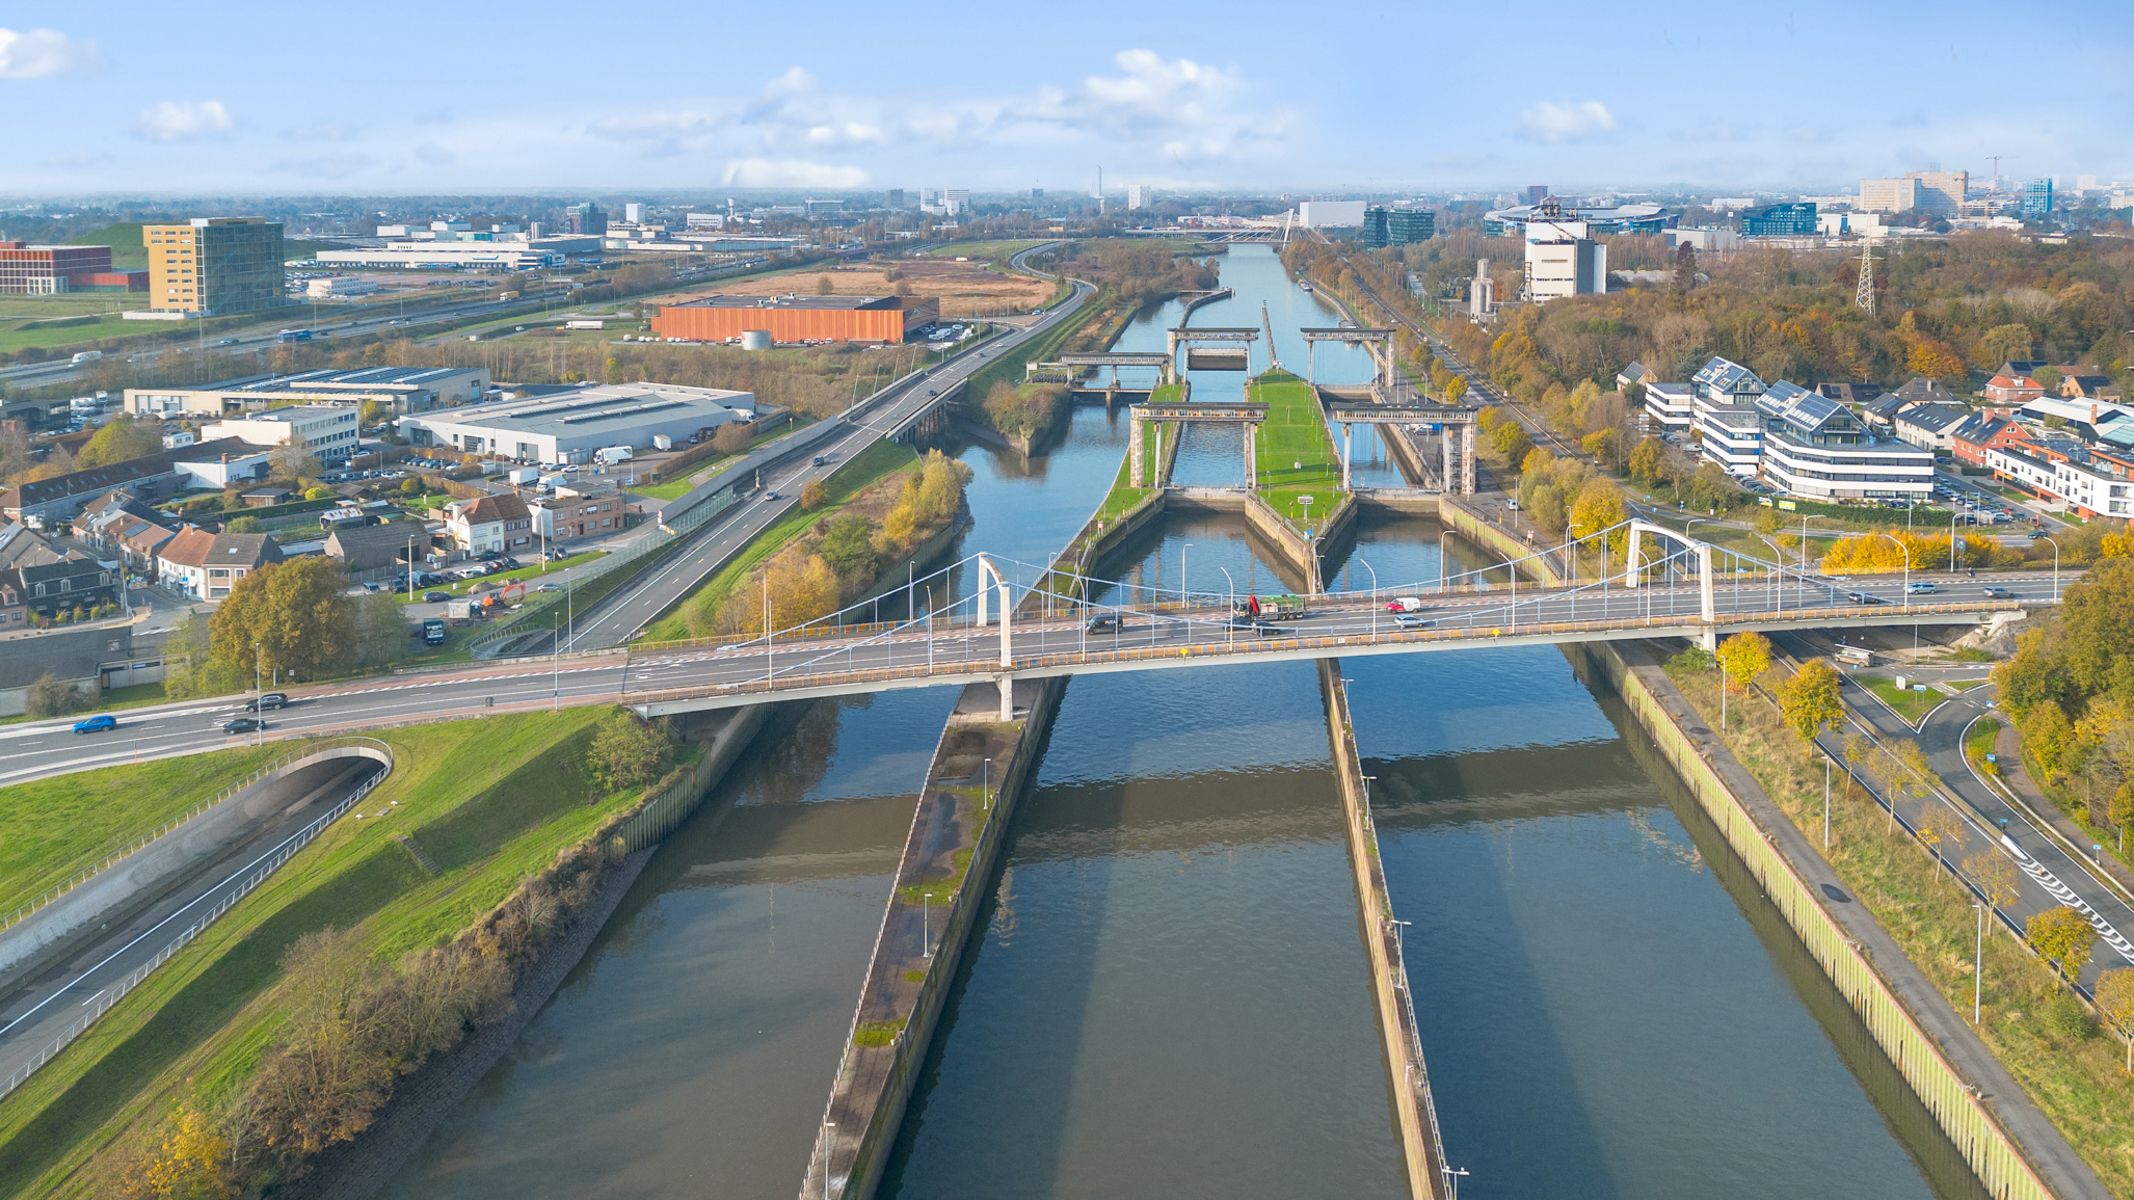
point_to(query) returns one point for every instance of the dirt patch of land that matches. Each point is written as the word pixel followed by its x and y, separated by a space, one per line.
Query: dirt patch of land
pixel 963 289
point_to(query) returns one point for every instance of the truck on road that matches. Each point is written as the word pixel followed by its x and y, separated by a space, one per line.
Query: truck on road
pixel 1270 608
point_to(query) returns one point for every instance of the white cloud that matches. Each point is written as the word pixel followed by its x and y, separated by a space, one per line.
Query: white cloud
pixel 1565 121
pixel 41 53
pixel 791 173
pixel 184 120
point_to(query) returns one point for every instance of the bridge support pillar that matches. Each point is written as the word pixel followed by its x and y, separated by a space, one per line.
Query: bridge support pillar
pixel 1348 440
pixel 1007 697
pixel 1704 586
pixel 1252 455
pixel 1451 485
pixel 1467 460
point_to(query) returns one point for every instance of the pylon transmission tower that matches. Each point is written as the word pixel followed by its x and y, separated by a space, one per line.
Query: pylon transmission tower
pixel 1865 298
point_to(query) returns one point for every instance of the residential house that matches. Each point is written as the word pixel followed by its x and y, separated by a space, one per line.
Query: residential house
pixel 499 523
pixel 14 614
pixel 2012 389
pixel 125 529
pixel 1928 426
pixel 2088 386
pixel 73 581
pixel 373 552
pixel 2064 470
pixel 150 478
pixel 574 512
pixel 1632 375
pixel 1846 392
pixel 1969 442
pixel 206 565
pixel 1722 381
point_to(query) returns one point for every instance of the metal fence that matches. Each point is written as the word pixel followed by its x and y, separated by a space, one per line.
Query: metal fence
pixel 192 919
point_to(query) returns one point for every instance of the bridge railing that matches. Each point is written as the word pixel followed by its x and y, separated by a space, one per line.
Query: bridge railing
pixel 977 661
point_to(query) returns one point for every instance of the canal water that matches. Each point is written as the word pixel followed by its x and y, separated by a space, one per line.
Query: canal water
pixel 1168 995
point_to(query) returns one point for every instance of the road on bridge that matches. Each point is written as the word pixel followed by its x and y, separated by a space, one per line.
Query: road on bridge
pixel 731 674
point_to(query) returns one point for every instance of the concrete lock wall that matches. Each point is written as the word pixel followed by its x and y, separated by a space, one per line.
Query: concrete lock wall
pixel 183 849
pixel 1954 1101
pixel 1414 1109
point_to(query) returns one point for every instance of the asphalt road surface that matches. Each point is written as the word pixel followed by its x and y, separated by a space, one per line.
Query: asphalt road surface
pixel 41 1005
pixel 38 749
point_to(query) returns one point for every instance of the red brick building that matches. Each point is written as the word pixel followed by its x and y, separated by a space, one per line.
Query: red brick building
pixel 796 319
pixel 27 270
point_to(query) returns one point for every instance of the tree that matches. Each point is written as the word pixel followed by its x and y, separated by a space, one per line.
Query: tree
pixel 243 525
pixel 1646 458
pixel 1685 276
pixel 1995 877
pixel 1939 826
pixel 2119 810
pixel 2114 994
pixel 628 752
pixel 1742 658
pixel 1710 488
pixel 293 461
pixel 1599 506
pixel 1455 388
pixel 848 546
pixel 824 286
pixel 318 491
pixel 1510 442
pixel 193 1163
pixel 380 635
pixel 814 495
pixel 732 437
pixel 1809 699
pixel 122 439
pixel 294 617
pixel 2062 937
pixel 49 696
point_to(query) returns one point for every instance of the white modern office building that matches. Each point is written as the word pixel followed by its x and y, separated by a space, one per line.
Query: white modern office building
pixel 568 426
pixel 1732 436
pixel 399 389
pixel 327 431
pixel 1816 448
pixel 1671 406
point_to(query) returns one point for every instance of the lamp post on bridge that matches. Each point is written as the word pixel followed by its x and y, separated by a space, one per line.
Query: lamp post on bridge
pixel 1229 619
pixel 1374 591
pixel 1185 598
pixel 1907 565
pixel 2055 563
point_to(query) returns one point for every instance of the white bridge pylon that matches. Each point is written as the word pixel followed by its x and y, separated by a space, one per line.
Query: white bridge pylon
pixel 1703 550
pixel 990 580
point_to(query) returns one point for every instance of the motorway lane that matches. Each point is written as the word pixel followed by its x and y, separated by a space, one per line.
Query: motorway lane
pixel 40 749
pixel 41 1006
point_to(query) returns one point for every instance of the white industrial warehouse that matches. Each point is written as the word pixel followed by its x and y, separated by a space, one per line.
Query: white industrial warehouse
pixel 567 426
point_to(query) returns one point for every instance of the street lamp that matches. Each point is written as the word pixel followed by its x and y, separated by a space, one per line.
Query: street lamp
pixel 1456 1176
pixel 1908 565
pixel 1230 618
pixel 1978 964
pixel 1184 597
pixel 1514 573
pixel 2055 563
pixel 1374 592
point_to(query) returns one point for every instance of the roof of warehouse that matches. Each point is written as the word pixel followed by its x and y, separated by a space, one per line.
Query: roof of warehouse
pixel 587 408
pixel 842 303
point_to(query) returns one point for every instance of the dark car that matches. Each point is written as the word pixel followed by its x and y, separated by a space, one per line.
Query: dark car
pixel 436 597
pixel 100 723
pixel 267 701
pixel 243 725
pixel 510 563
pixel 1105 623
pixel 1862 598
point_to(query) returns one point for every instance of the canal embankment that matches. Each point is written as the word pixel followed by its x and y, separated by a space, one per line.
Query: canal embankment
pixel 360 1168
pixel 2008 1143
pixel 1407 1077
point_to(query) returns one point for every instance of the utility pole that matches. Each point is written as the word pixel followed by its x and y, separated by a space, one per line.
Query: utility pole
pixel 1865 297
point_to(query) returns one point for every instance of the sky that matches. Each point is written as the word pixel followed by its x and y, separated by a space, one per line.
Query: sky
pixel 243 96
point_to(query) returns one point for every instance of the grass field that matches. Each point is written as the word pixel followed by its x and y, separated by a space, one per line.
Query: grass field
pixel 52 828
pixel 488 810
pixel 1912 706
pixel 874 463
pixel 1296 457
pixel 997 252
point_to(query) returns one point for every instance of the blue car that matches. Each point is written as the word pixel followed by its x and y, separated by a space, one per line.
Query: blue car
pixel 100 723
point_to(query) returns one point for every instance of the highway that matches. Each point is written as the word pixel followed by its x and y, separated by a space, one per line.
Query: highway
pixel 689 676
pixel 631 608
pixel 74 983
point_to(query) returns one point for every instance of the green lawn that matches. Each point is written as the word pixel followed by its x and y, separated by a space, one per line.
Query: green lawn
pixel 701 473
pixel 52 828
pixel 994 251
pixel 1296 455
pixel 1978 743
pixel 67 304
pixel 1912 706
pixel 489 804
pixel 874 463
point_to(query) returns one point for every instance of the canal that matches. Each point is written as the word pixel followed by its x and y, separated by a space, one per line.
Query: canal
pixel 1167 995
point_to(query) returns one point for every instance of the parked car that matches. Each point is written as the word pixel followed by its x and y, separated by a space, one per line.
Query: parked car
pixel 436 597
pixel 243 725
pixel 267 701
pixel 1405 604
pixel 100 723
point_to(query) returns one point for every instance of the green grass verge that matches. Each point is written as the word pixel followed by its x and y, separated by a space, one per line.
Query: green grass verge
pixel 997 252
pixel 2075 1077
pixel 1296 455
pixel 1912 706
pixel 489 802
pixel 1978 743
pixel 874 463
pixel 52 828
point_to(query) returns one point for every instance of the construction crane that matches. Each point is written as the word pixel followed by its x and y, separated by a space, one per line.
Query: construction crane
pixel 1995 159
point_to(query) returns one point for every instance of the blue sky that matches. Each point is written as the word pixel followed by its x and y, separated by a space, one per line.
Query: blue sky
pixel 246 96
